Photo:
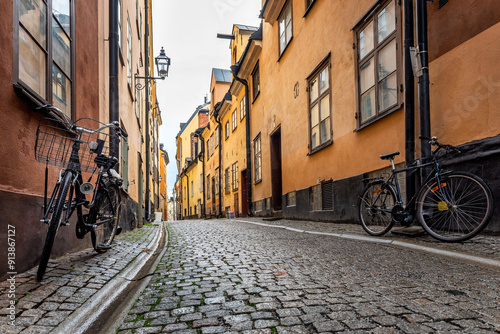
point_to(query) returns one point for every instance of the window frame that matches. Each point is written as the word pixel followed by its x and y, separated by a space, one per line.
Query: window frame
pixel 47 50
pixel 243 104
pixel 235 179
pixel 280 16
pixel 129 56
pixel 227 181
pixel 234 120
pixel 325 63
pixel 309 4
pixel 208 187
pixel 257 155
pixel 256 88
pixel 372 17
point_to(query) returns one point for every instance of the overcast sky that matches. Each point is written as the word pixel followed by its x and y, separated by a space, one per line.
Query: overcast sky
pixel 188 30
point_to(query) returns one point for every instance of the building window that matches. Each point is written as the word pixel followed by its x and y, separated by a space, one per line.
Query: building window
pixel 291 199
pixel 192 188
pixel 208 186
pixel 124 162
pixel 216 183
pixel 208 149
pixel 320 107
pixel 256 82
pixel 257 160
pixel 234 120
pixel 227 179
pixel 211 144
pixel 184 192
pixel 129 53
pixel 285 26
pixel 42 34
pixel 235 176
pixel 217 134
pixel 201 182
pixel 226 127
pixel 378 61
pixel 120 33
pixel 243 107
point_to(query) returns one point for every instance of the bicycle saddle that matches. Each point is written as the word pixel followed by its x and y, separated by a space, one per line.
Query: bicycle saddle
pixel 389 156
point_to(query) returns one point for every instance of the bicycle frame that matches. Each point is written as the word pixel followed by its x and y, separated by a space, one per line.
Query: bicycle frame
pixel 436 173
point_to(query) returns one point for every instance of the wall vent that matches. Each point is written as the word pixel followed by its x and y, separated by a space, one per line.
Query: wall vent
pixel 327 195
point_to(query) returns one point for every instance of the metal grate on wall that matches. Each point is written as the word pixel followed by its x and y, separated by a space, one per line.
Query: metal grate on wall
pixel 327 195
pixel 442 3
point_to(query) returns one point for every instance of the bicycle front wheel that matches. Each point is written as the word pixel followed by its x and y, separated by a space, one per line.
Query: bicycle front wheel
pixel 375 208
pixel 457 210
pixel 62 204
pixel 107 218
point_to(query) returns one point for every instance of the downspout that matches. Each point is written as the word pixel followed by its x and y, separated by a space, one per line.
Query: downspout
pixel 423 83
pixel 409 98
pixel 148 167
pixel 217 120
pixel 114 96
pixel 202 158
pixel 234 70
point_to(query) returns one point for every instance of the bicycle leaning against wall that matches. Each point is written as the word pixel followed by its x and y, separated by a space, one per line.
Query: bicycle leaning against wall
pixel 80 147
pixel 451 206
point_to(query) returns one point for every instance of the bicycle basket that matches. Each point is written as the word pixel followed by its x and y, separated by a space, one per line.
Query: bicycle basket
pixel 55 142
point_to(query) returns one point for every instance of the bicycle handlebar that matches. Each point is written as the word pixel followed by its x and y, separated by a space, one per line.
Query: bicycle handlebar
pixel 434 142
pixel 63 117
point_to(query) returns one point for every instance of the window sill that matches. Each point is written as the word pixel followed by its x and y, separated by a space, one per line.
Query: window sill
pixel 256 96
pixel 321 147
pixel 379 117
pixel 309 8
pixel 258 181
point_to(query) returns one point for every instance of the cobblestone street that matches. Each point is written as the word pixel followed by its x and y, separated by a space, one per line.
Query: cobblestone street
pixel 69 282
pixel 231 276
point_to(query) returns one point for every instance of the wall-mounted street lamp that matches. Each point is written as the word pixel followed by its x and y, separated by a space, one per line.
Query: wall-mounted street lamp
pixel 162 66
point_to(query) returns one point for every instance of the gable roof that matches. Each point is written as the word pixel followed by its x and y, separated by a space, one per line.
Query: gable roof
pixel 198 109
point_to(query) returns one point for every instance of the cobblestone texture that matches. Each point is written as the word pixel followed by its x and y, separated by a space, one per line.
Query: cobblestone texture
pixel 225 276
pixel 68 283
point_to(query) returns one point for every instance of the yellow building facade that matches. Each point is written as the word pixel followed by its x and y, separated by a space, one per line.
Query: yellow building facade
pixel 190 184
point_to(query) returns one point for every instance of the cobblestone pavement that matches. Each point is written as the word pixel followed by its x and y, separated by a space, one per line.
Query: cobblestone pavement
pixel 228 276
pixel 483 245
pixel 68 283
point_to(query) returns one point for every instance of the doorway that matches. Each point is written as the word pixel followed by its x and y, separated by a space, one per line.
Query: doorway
pixel 276 173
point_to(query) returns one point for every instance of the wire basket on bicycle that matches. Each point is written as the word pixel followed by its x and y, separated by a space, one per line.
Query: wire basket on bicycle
pixel 55 143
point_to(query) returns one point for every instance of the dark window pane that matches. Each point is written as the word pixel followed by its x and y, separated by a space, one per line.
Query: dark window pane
pixel 61 51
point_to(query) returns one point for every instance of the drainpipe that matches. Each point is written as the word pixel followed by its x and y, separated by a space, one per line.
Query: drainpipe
pixel 146 92
pixel 114 97
pixel 409 96
pixel 217 120
pixel 234 69
pixel 423 82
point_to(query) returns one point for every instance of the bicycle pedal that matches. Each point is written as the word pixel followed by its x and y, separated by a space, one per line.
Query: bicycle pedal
pixel 118 230
pixel 45 221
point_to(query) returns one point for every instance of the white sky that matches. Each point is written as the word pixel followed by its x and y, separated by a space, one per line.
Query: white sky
pixel 187 29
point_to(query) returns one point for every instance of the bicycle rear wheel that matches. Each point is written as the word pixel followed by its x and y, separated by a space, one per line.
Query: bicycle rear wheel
pixel 375 208
pixel 108 217
pixel 54 223
pixel 463 214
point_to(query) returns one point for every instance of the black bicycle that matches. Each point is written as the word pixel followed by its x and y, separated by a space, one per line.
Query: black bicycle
pixel 451 206
pixel 78 149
